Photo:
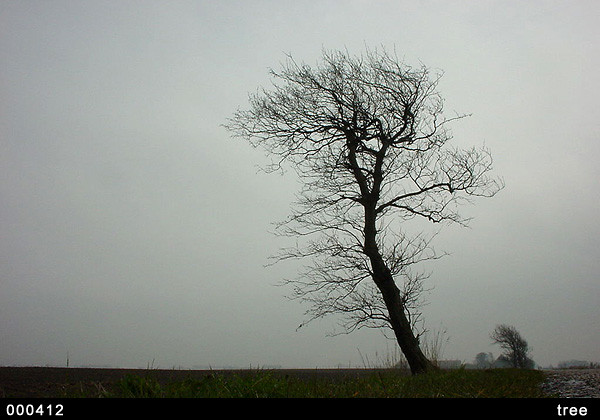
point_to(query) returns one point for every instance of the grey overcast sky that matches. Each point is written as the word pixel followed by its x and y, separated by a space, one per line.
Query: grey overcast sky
pixel 134 230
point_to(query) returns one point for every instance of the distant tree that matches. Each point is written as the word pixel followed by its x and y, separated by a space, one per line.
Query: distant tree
pixel 515 346
pixel 578 364
pixel 484 360
pixel 367 137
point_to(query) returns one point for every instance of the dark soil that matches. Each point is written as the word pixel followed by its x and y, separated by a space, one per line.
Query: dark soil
pixel 51 382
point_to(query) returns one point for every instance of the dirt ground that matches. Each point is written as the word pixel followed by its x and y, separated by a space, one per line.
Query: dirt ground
pixel 573 383
pixel 48 382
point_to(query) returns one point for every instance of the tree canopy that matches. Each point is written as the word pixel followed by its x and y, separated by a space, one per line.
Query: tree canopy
pixel 368 139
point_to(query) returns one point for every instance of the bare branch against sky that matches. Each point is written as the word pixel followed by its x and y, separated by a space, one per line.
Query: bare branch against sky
pixel 368 139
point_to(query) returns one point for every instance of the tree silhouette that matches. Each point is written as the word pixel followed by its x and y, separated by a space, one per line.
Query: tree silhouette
pixel 515 346
pixel 367 137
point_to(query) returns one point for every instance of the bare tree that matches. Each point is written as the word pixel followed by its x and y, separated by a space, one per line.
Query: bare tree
pixel 484 360
pixel 515 346
pixel 367 138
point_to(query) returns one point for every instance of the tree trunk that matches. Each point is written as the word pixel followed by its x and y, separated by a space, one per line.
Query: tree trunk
pixel 407 341
pixel 409 344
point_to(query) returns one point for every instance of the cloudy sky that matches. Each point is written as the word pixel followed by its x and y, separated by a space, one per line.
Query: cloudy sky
pixel 135 231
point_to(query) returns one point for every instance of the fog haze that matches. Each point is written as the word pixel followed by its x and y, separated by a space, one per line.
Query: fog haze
pixel 135 231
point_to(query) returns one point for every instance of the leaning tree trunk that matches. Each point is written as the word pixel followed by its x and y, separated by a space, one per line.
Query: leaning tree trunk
pixel 409 344
pixel 407 341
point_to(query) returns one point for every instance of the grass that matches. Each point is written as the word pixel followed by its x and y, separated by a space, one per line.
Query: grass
pixel 497 383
